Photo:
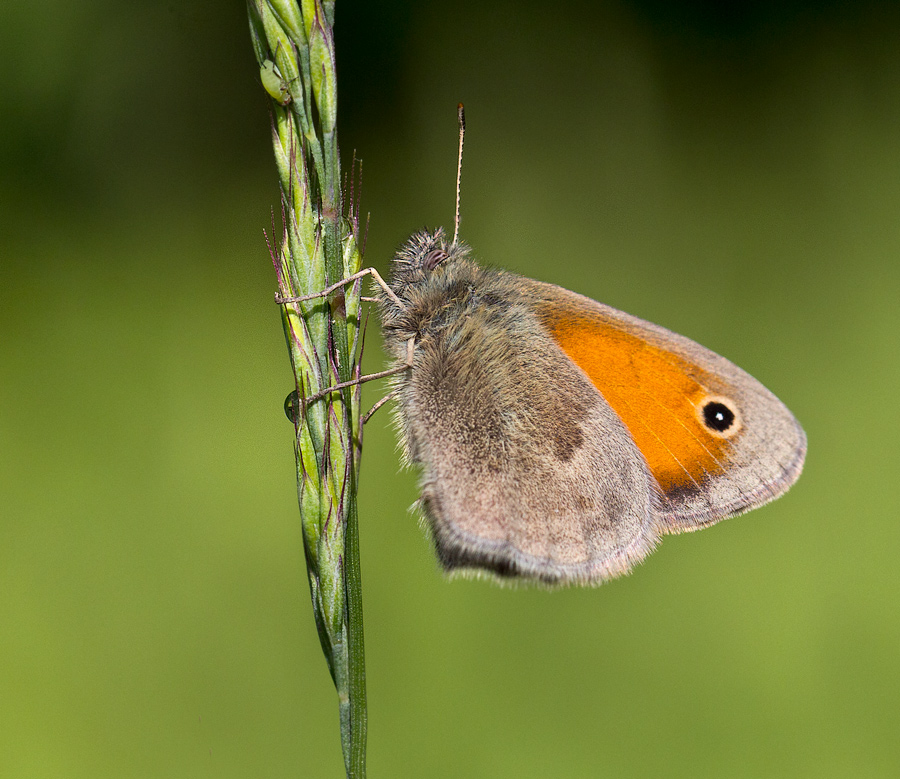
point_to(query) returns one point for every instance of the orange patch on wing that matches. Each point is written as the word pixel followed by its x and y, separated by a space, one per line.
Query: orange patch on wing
pixel 654 392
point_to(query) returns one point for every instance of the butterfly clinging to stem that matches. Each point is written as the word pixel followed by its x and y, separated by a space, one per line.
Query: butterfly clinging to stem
pixel 559 438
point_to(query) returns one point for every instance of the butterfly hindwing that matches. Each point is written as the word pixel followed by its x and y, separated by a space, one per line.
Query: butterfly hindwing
pixel 526 470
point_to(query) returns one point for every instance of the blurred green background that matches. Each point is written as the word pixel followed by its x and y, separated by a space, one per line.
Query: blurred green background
pixel 728 170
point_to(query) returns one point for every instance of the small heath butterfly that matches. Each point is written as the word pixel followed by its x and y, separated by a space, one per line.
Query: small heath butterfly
pixel 559 438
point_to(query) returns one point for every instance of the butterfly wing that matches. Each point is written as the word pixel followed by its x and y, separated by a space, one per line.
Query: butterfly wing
pixel 527 471
pixel 715 440
pixel 559 437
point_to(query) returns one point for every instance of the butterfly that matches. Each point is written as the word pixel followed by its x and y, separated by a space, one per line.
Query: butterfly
pixel 559 438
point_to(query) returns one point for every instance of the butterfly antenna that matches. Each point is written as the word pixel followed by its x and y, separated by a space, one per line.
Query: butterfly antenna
pixel 461 113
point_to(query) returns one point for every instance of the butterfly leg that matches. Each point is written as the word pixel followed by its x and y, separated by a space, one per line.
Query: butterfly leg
pixel 410 344
pixel 376 276
pixel 368 415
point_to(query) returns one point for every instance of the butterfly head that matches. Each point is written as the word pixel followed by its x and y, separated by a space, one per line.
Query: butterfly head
pixel 424 255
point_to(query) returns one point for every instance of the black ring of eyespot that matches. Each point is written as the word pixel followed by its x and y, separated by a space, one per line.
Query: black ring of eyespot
pixel 434 258
pixel 718 417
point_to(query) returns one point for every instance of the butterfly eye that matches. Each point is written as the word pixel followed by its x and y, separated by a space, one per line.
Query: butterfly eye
pixel 434 258
pixel 720 417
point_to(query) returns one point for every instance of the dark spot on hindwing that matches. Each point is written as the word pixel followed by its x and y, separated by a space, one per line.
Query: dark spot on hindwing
pixel 567 438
